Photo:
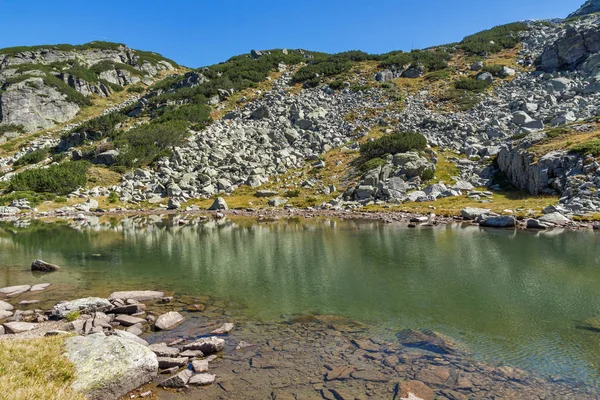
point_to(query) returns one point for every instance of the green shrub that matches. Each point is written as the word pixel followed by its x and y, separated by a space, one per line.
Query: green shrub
pixel 439 75
pixel 428 174
pixel 59 179
pixel 592 147
pixel 493 40
pixel 372 164
pixel 493 69
pixel 464 99
pixel 337 84
pixel 292 193
pixel 136 89
pixel 431 60
pixel 393 144
pixel 113 197
pixel 145 144
pixel 331 67
pixel 556 132
pixel 32 158
pixel 360 88
pixel 11 128
pixel 471 85
pixel 72 316
pixel 72 95
pixel 33 198
pixel 196 114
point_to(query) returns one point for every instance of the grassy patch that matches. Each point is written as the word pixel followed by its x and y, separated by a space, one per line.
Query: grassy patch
pixel 59 179
pixel 592 147
pixel 98 176
pixel 33 198
pixel 36 369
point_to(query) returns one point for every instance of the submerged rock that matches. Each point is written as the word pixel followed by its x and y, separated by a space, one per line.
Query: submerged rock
pixel 138 295
pixel 177 381
pixel 428 340
pixel 42 266
pixel 14 290
pixel 108 367
pixel 169 320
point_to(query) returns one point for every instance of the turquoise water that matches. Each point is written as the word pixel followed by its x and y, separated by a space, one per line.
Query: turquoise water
pixel 515 298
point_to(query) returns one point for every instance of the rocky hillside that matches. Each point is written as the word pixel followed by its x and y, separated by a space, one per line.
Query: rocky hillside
pixel 505 119
pixel 45 85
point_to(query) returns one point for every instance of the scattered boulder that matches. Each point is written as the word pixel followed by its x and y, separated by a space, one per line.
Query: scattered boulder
pixel 19 327
pixel 202 379
pixel 177 381
pixel 472 213
pixel 42 266
pixel 207 346
pixel 218 204
pixel 4 306
pixel 226 328
pixel 502 221
pixel 85 305
pixel 169 320
pixel 130 336
pixel 108 367
pixel 200 366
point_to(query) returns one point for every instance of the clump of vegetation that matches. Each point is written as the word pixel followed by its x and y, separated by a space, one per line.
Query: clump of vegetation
pixel 60 179
pixel 145 144
pixel 72 95
pixel 428 174
pixel 11 128
pixel 393 144
pixel 292 193
pixel 372 164
pixel 432 60
pixel 439 75
pixel 24 373
pixel 556 132
pixel 592 147
pixel 113 197
pixel 32 158
pixel 465 100
pixel 331 67
pixel 32 197
pixel 72 316
pixel 135 89
pixel 337 84
pixel 493 69
pixel 493 40
pixel 471 85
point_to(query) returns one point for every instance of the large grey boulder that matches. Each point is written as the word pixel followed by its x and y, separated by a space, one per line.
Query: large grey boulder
pixel 503 221
pixel 555 218
pixel 471 213
pixel 108 367
pixel 571 50
pixel 4 306
pixel 219 204
pixel 84 305
pixel 42 266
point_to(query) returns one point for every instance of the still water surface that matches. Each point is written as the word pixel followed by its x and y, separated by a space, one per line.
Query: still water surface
pixel 514 298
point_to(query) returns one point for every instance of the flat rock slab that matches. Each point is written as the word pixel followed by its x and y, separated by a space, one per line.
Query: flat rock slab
pixel 5 306
pixel 39 287
pixel 19 327
pixel 200 366
pixel 85 305
pixel 202 379
pixel 170 362
pixel 162 350
pixel 127 320
pixel 169 320
pixel 207 346
pixel 225 329
pixel 14 290
pixel 108 367
pixel 5 314
pixel 130 336
pixel 139 295
pixel 177 381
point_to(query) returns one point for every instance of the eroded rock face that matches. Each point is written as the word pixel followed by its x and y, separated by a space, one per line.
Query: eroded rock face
pixel 589 7
pixel 109 366
pixel 34 105
pixel 572 50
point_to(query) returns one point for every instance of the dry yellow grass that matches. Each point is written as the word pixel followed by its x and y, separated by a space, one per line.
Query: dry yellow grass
pixel 36 369
pixel 104 177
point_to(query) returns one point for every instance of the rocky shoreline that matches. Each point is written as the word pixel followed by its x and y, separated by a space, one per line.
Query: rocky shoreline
pixel 145 344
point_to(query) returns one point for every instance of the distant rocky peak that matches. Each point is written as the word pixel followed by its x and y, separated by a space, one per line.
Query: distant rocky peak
pixel 590 7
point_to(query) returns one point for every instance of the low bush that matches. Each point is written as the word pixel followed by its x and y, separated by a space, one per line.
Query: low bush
pixel 135 89
pixel 337 84
pixel 32 158
pixel 471 85
pixel 556 132
pixel 393 144
pixel 493 69
pixel 292 193
pixel 11 128
pixel 493 40
pixel 428 174
pixel 372 164
pixel 592 147
pixel 331 67
pixel 59 179
pixel 33 198
pixel 432 60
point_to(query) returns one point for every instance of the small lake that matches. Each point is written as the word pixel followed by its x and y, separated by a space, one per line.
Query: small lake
pixel 514 298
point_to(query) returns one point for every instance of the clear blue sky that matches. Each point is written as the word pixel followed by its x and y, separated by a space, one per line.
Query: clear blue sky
pixel 200 32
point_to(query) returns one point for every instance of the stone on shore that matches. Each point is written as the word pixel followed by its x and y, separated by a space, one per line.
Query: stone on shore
pixel 85 305
pixel 170 362
pixel 127 320
pixel 502 221
pixel 5 314
pixel 108 367
pixel 19 327
pixel 218 204
pixel 471 213
pixel 130 336
pixel 14 290
pixel 200 366
pixel 138 295
pixel 202 379
pixel 42 266
pixel 162 350
pixel 225 329
pixel 4 306
pixel 169 320
pixel 177 381
pixel 207 346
